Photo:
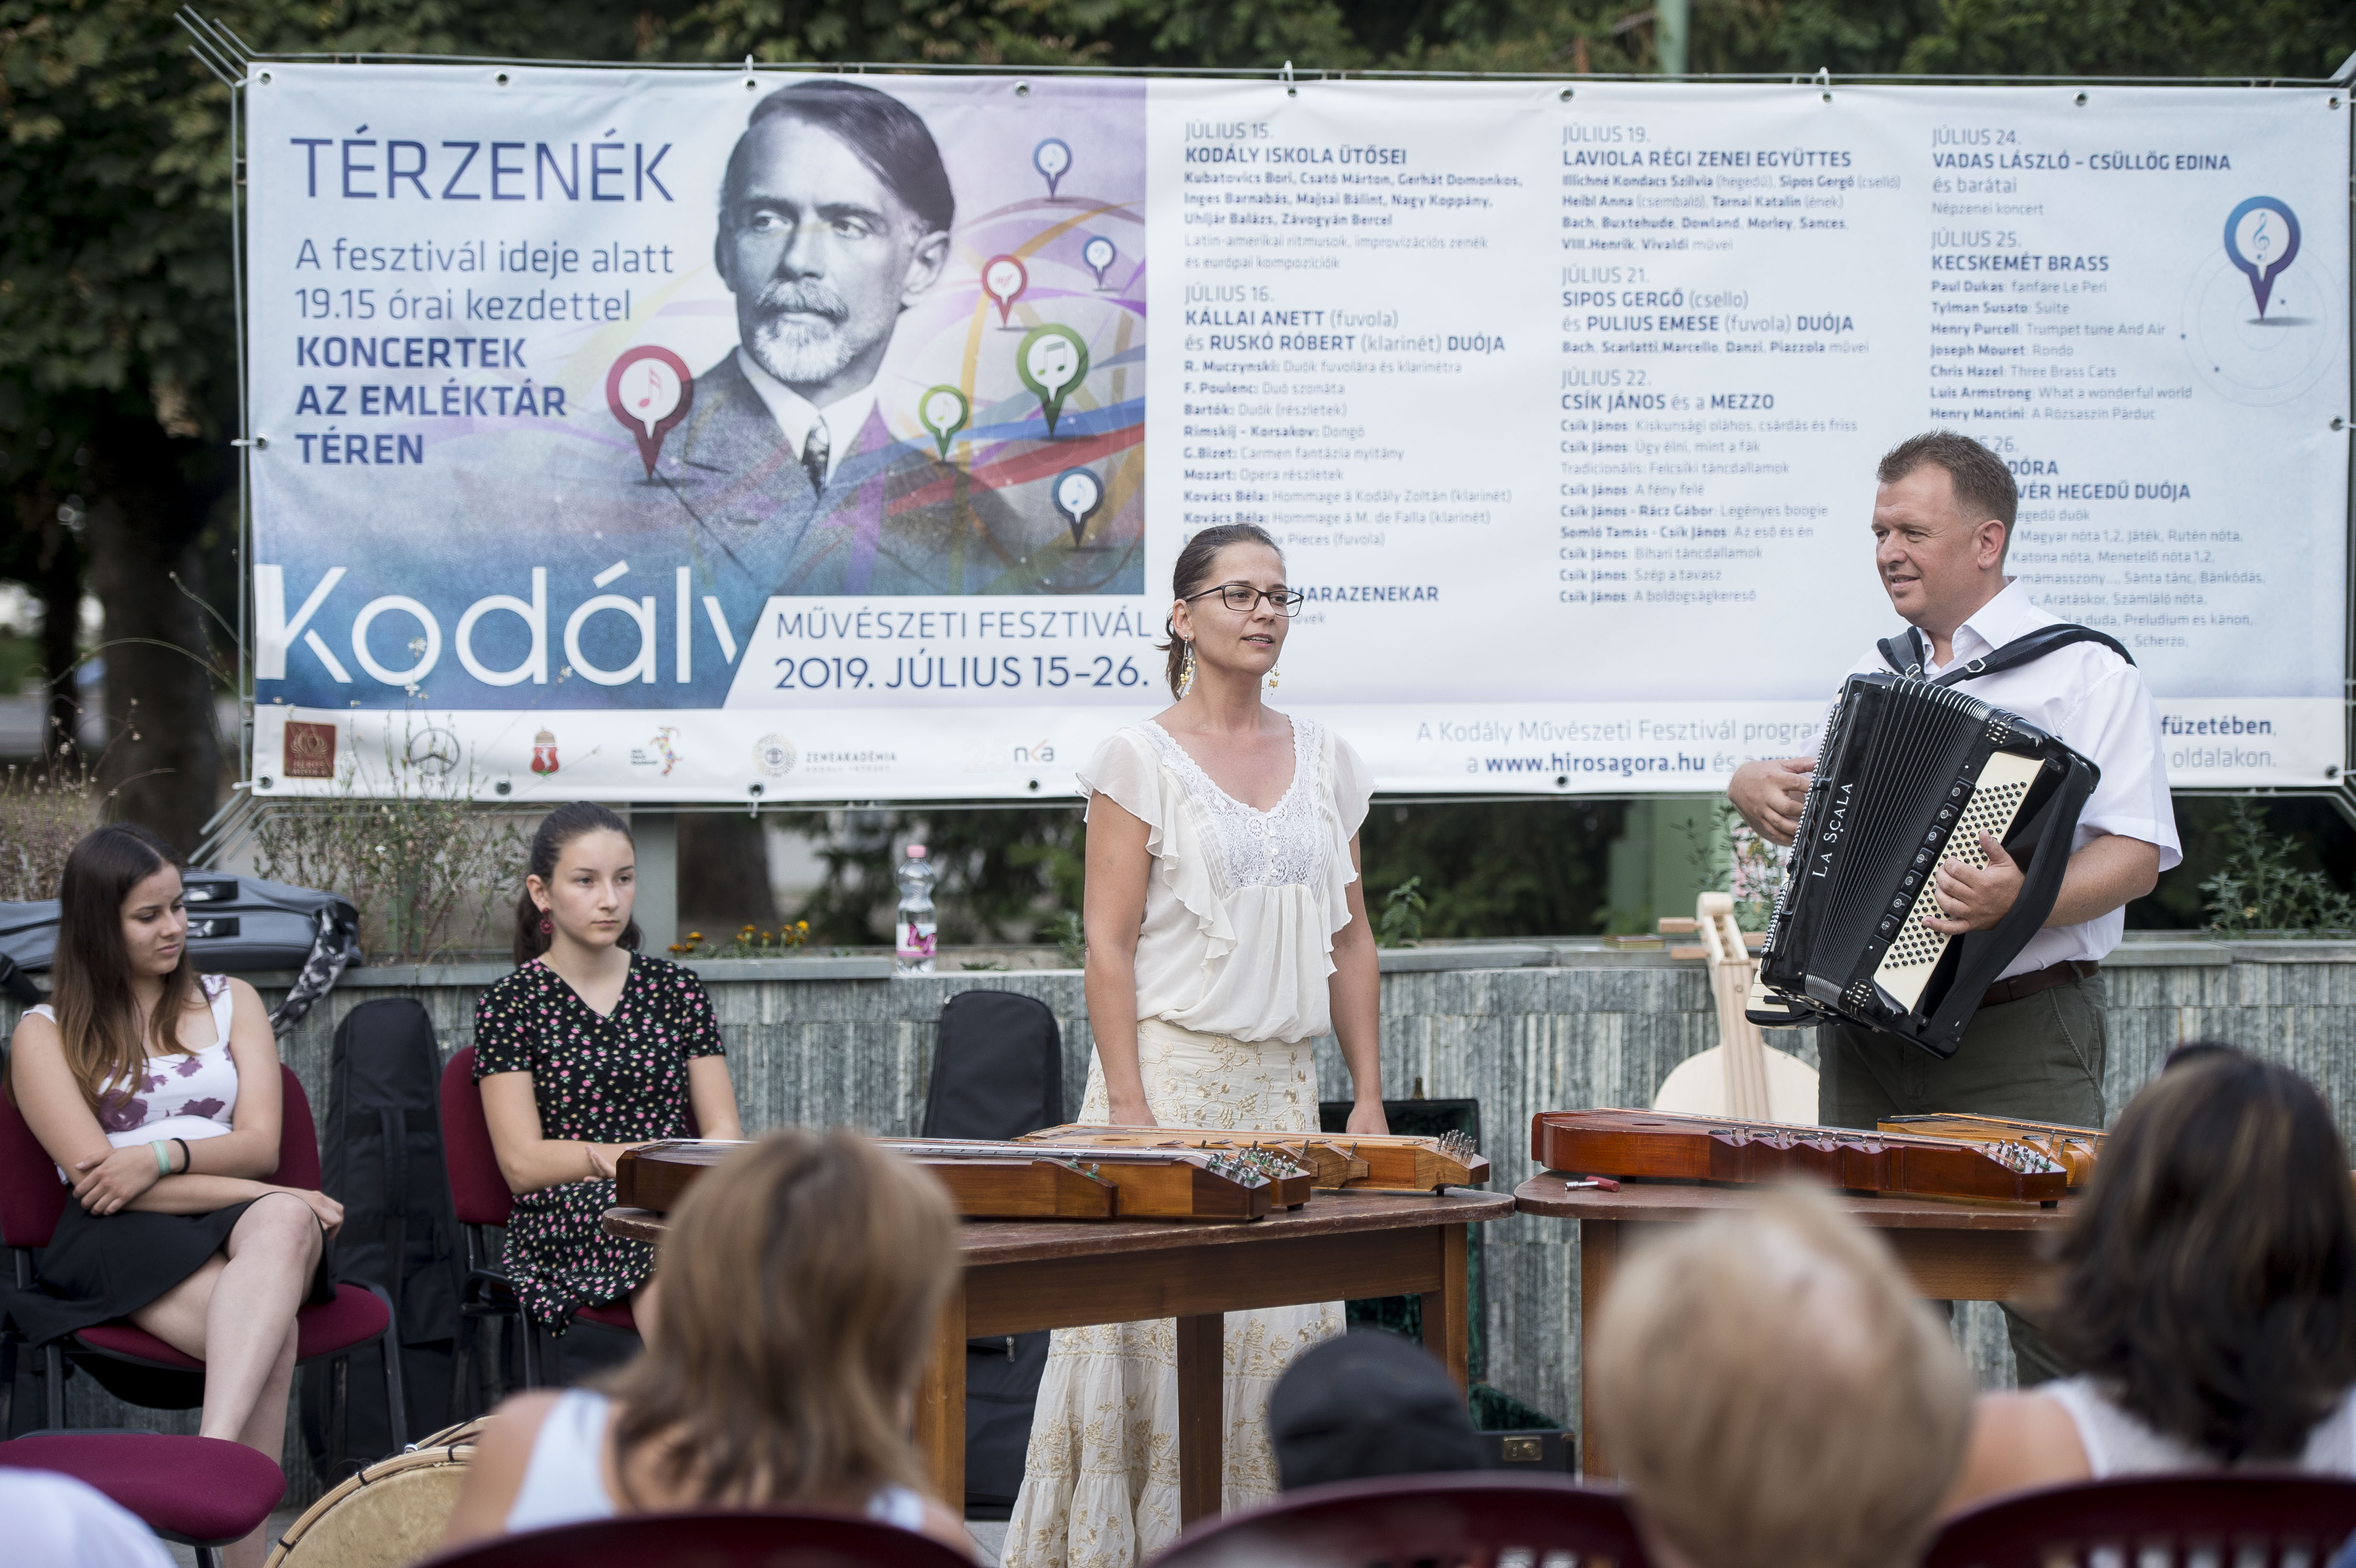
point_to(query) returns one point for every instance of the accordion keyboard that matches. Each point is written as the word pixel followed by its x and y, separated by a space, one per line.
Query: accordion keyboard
pixel 1996 796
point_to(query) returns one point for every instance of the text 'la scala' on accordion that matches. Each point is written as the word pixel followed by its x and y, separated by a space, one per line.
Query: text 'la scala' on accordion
pixel 1912 773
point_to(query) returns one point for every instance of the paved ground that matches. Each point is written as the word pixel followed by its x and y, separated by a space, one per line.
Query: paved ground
pixel 20 726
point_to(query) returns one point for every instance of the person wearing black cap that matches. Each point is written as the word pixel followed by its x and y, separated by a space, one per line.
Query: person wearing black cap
pixel 1368 1403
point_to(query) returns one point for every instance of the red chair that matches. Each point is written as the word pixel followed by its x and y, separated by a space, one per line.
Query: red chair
pixel 1461 1517
pixel 480 1194
pixel 32 1199
pixel 711 1541
pixel 2156 1522
pixel 199 1491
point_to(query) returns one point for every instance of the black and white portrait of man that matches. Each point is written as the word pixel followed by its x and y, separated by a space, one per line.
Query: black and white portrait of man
pixel 835 216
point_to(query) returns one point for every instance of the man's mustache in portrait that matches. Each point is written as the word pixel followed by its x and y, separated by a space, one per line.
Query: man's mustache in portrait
pixel 798 334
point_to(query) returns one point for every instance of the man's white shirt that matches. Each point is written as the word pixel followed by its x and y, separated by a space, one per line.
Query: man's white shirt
pixel 796 414
pixel 2096 703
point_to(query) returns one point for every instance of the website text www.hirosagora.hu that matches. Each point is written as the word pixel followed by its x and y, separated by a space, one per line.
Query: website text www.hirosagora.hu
pixel 1690 747
pixel 1617 767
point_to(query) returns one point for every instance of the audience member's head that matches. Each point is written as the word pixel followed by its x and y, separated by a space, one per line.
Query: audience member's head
pixel 1368 1403
pixel 2209 1282
pixel 799 1283
pixel 1774 1396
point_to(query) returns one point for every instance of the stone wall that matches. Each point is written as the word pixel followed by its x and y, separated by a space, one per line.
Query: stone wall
pixel 1520 1026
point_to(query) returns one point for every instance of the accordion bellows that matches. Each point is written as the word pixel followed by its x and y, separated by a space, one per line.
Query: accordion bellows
pixel 1912 773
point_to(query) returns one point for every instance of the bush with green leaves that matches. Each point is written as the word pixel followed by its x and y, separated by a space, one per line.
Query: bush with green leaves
pixel 1071 939
pixel 431 873
pixel 1400 923
pixel 2262 887
pixel 45 808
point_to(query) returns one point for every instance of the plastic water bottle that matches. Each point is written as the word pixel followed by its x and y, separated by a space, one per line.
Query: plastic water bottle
pixel 915 954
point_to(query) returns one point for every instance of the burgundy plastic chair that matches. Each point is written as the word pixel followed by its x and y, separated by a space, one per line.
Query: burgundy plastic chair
pixel 199 1491
pixel 2232 1519
pixel 1471 1519
pixel 711 1541
pixel 480 1194
pixel 32 1200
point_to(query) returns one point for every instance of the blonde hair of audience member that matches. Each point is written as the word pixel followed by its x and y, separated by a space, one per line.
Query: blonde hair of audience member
pixel 797 1290
pixel 2207 1285
pixel 1774 1396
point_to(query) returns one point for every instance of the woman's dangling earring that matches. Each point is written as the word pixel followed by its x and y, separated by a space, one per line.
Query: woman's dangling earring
pixel 1272 677
pixel 1186 672
pixel 547 926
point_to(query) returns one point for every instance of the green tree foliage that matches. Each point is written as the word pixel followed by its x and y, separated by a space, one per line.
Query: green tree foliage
pixel 2135 37
pixel 1494 868
pixel 1005 875
pixel 114 340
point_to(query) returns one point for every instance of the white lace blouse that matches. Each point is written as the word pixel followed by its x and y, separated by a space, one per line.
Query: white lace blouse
pixel 1243 905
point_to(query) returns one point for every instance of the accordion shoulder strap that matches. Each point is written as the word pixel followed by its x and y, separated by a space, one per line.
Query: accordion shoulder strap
pixel 1907 654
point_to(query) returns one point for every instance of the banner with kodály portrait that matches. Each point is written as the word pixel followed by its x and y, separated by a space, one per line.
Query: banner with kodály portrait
pixel 775 436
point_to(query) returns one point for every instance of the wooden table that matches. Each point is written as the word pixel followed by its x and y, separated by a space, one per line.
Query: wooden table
pixel 1021 1276
pixel 1951 1250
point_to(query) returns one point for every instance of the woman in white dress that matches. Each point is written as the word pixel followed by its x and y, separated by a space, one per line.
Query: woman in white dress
pixel 2205 1292
pixel 1226 929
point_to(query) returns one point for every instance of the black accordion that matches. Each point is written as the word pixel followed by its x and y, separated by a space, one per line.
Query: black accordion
pixel 1912 773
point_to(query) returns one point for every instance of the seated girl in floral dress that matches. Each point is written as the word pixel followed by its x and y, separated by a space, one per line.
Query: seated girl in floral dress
pixel 588 1049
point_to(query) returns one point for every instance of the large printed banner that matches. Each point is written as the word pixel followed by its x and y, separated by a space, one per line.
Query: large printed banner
pixel 670 436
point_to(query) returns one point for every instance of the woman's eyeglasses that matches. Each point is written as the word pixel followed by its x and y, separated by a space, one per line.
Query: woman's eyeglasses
pixel 1241 597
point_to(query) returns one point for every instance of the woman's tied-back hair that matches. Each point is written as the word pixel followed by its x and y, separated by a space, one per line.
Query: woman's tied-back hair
pixel 557 829
pixel 2208 1280
pixel 1194 574
pixel 90 979
pixel 801 1279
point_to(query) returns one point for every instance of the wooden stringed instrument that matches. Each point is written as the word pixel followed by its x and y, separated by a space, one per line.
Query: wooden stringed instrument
pixel 1338 1161
pixel 1014 1181
pixel 1742 1076
pixel 2073 1149
pixel 1653 1146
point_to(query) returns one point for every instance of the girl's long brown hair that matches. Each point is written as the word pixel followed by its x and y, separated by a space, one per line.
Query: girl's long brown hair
pixel 2208 1278
pixel 800 1282
pixel 89 980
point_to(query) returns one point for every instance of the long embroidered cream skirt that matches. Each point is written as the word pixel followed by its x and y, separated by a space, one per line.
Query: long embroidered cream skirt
pixel 1100 1480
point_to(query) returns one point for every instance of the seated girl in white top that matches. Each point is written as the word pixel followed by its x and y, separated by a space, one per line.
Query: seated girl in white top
pixel 2206 1292
pixel 795 1297
pixel 156 1091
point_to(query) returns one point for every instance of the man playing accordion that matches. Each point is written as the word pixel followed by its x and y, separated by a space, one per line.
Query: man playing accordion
pixel 1942 522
